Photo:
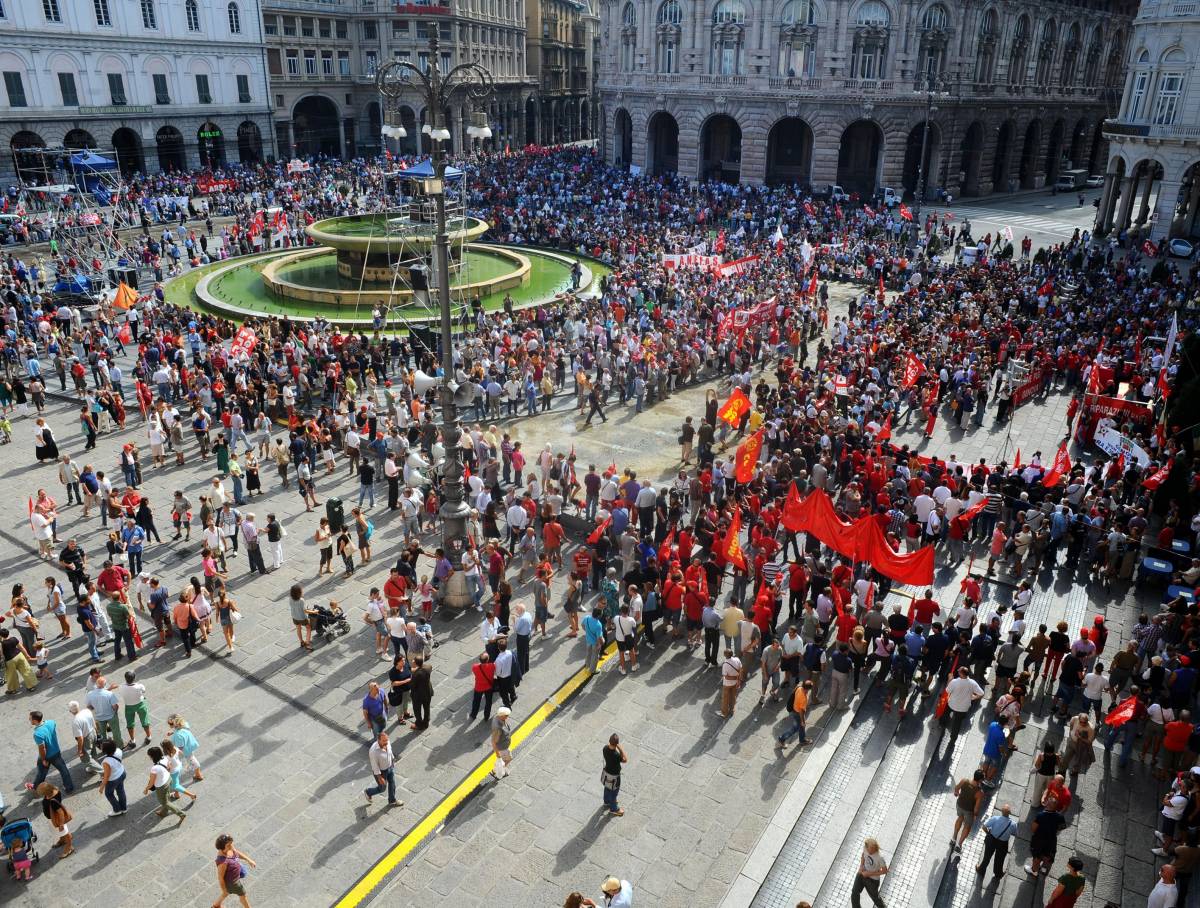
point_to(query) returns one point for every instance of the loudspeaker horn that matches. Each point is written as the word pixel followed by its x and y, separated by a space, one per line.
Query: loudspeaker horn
pixel 423 382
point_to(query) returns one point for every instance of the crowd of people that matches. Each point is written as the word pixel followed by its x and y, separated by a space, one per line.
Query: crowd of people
pixel 926 333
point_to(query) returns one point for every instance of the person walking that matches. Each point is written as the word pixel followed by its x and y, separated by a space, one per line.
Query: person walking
pixel 159 782
pixel 968 800
pixel 230 871
pixel 59 817
pixel 185 741
pixel 83 725
pixel 593 633
pixel 133 698
pixel 617 893
pixel 732 676
pixel 625 632
pixel 383 768
pixel 45 737
pixel 799 714
pixel 112 777
pixel 1070 885
pixel 421 690
pixel 610 777
pixel 374 709
pixel 501 743
pixel 871 869
pixel 961 693
pixel 998 832
pixel 17 669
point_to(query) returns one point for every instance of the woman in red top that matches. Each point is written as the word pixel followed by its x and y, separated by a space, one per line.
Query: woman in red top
pixel 484 673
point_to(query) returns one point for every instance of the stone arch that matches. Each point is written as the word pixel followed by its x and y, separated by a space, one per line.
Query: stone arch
pixel 1078 145
pixel 79 138
pixel 1054 150
pixel 860 157
pixel 1002 156
pixel 917 173
pixel 721 148
pixel 790 151
pixel 970 160
pixel 316 126
pixel 30 168
pixel 249 139
pixel 171 154
pixel 127 146
pixel 622 137
pixel 662 143
pixel 1028 170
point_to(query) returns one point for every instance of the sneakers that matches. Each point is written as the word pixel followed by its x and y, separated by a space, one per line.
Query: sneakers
pixel 367 796
pixel 633 668
pixel 621 669
pixel 1158 852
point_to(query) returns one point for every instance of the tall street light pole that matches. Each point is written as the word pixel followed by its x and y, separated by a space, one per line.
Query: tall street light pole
pixel 396 79
pixel 922 176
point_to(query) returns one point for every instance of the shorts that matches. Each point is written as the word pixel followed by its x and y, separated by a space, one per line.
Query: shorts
pixel 1168 826
pixel 300 622
pixel 966 816
pixel 1043 851
pixel 670 619
pixel 235 888
pixel 141 711
pixel 790 664
pixel 990 761
pixel 625 645
pixel 1003 672
pixel 381 626
pixel 693 624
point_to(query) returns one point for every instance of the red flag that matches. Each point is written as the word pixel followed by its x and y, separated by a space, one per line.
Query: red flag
pixel 812 284
pixel 869 211
pixel 976 509
pixel 1047 288
pixel 746 456
pixel 793 510
pixel 664 550
pixel 913 367
pixel 730 548
pixel 719 246
pixel 601 527
pixel 881 283
pixel 809 210
pixel 735 408
pixel 905 213
pixel 1150 249
pixel 1155 479
pixel 1017 460
pixel 1123 713
pixel 837 210
pixel 885 431
pixel 1060 468
pixel 137 635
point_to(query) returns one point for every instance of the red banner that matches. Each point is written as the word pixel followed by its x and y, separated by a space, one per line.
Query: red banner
pixel 737 266
pixel 735 408
pixel 747 456
pixel 1025 391
pixel 913 367
pixel 244 342
pixel 730 548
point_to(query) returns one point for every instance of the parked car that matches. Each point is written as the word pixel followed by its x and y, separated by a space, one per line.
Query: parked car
pixel 1095 180
pixel 1180 248
pixel 837 194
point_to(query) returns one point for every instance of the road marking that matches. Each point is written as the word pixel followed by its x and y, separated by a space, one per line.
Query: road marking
pixel 436 818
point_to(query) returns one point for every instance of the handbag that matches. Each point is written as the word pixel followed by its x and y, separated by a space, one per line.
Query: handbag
pixel 235 616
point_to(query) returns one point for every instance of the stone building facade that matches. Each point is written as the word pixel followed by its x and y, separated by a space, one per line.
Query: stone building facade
pixel 561 38
pixel 322 56
pixel 1152 182
pixel 160 84
pixel 839 91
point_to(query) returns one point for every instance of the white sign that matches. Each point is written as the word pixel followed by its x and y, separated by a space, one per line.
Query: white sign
pixel 1113 443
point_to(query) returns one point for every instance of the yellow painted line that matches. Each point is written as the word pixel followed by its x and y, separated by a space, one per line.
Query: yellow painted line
pixel 436 817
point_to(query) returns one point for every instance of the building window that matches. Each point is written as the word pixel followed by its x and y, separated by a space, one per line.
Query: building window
pixel 668 31
pixel 729 22
pixel 306 27
pixel 985 57
pixel 270 25
pixel 1091 62
pixel 1166 105
pixel 2 16
pixel 423 61
pixel 343 62
pixel 66 88
pixel 274 61
pixel 289 27
pixel 372 62
pixel 103 16
pixel 340 30
pixel 293 63
pixel 51 11
pixel 323 28
pixel 192 12
pixel 202 91
pixel 798 39
pixel 162 94
pixel 868 58
pixel 149 16
pixel 327 63
pixel 1137 94
pixel 15 87
pixel 370 32
pixel 1018 54
pixel 399 28
pixel 310 62
pixel 628 38
pixel 243 86
pixel 235 19
pixel 1046 52
pixel 116 89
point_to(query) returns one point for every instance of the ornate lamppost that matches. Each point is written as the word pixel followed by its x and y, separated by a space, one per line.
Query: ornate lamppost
pixel 397 79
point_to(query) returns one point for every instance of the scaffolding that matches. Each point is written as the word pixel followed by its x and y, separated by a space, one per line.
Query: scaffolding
pixel 75 191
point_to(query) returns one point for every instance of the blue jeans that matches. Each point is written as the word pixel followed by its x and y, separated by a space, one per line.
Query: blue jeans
pixel 389 783
pixel 91 642
pixel 237 490
pixel 475 582
pixel 135 561
pixel 797 729
pixel 365 490
pixel 1126 733
pixel 43 769
pixel 610 793
pixel 130 476
pixel 378 725
pixel 126 635
pixel 114 790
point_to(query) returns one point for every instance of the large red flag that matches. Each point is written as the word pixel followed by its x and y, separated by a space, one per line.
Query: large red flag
pixel 1017 460
pixel 905 213
pixel 1155 479
pixel 730 547
pixel 885 431
pixel 735 408
pixel 976 509
pixel 746 456
pixel 793 509
pixel 913 368
pixel 1060 468
pixel 600 530
pixel 1122 713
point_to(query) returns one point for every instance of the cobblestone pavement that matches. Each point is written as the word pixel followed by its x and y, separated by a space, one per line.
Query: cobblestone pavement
pixel 284 749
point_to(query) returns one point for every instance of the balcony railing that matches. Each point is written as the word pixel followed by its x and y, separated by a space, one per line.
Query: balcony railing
pixel 1150 130
pixel 794 83
pixel 706 79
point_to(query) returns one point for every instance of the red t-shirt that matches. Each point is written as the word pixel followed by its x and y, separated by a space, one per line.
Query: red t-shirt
pixel 923 611
pixel 1176 734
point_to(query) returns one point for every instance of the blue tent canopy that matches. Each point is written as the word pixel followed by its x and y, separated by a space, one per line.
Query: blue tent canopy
pixel 423 170
pixel 89 160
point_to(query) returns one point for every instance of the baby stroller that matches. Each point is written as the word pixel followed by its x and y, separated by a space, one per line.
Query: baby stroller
pixel 330 622
pixel 19 831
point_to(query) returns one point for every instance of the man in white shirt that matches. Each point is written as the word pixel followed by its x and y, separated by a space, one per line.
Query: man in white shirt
pixel 731 683
pixel 489 627
pixel 961 693
pixel 133 699
pixel 517 518
pixel 83 726
pixel 1165 893
pixel 383 768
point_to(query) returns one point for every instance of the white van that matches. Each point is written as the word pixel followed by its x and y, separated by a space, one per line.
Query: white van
pixel 837 194
pixel 891 198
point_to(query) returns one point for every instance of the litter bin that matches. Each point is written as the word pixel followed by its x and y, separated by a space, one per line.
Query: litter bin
pixel 333 512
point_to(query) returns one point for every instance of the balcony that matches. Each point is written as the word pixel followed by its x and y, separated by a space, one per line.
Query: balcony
pixel 706 79
pixel 868 86
pixel 1124 129
pixel 795 84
